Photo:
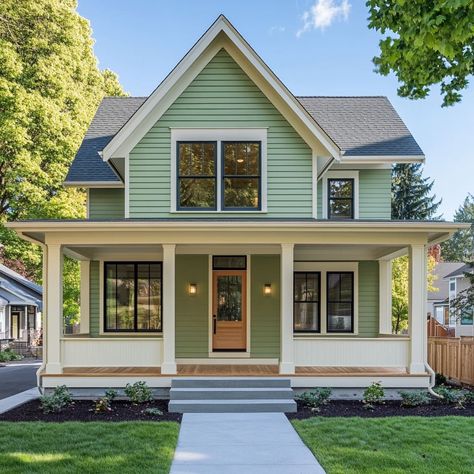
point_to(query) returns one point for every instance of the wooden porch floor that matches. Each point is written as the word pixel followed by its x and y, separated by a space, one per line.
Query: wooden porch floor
pixel 221 370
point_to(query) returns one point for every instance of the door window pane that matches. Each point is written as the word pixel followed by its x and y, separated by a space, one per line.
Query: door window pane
pixel 225 262
pixel 306 309
pixel 229 298
pixel 340 301
pixel 340 198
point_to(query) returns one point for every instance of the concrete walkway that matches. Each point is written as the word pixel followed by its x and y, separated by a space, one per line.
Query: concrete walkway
pixel 18 399
pixel 236 443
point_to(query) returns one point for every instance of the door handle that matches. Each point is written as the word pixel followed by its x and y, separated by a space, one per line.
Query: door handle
pixel 214 323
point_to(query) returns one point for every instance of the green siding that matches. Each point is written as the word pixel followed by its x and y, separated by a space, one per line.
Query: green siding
pixel 221 96
pixel 192 312
pixel 265 309
pixel 94 299
pixel 368 299
pixel 375 194
pixel 106 203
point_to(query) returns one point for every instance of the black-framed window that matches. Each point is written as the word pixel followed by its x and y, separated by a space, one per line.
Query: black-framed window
pixel 340 301
pixel 241 175
pixel 197 176
pixel 340 198
pixel 307 302
pixel 132 296
pixel 229 262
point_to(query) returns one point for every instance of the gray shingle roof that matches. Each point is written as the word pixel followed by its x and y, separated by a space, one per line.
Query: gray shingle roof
pixel 360 126
pixel 112 114
pixel 466 268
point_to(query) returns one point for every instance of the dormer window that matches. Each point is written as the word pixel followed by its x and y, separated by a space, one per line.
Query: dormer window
pixel 340 198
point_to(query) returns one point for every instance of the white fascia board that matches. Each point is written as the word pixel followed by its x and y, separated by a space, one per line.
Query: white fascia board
pixel 93 184
pixel 182 75
pixel 376 159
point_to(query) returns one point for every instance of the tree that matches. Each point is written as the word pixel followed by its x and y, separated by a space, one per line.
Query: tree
pixel 400 281
pixel 460 247
pixel 426 43
pixel 463 304
pixel 50 87
pixel 411 193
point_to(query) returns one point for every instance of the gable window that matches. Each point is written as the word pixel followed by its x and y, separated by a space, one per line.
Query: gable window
pixel 197 175
pixel 241 175
pixel 340 198
pixel 306 307
pixel 132 297
pixel 340 301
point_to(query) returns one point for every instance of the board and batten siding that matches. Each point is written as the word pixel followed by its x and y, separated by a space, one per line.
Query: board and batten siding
pixel 106 203
pixel 375 198
pixel 223 96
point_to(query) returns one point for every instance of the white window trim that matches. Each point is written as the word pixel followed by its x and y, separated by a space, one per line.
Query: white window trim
pixel 323 268
pixel 219 135
pixel 341 175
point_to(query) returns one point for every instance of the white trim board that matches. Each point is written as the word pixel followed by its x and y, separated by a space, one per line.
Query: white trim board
pixel 342 174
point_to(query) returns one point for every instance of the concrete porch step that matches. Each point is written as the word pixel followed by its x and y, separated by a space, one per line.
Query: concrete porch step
pixel 230 382
pixel 232 406
pixel 232 393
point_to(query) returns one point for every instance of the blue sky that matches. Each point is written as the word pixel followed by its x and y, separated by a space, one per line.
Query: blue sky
pixel 142 40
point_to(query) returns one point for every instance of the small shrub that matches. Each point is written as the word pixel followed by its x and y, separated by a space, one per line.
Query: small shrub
pixel 152 412
pixel 414 399
pixel 59 399
pixel 139 392
pixel 316 398
pixel 8 355
pixel 373 395
pixel 469 396
pixel 111 394
pixel 102 405
pixel 440 379
pixel 452 396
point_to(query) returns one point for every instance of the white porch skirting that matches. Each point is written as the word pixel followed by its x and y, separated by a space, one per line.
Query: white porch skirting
pixel 353 352
pixel 112 352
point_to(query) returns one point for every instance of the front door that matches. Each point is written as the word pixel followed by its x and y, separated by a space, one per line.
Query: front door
pixel 15 325
pixel 229 316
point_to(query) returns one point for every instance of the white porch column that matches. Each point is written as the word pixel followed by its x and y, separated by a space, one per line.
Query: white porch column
pixel 85 297
pixel 287 353
pixel 416 308
pixel 54 305
pixel 168 365
pixel 385 296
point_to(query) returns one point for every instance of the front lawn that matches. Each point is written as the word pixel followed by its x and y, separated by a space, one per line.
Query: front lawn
pixel 395 445
pixel 73 447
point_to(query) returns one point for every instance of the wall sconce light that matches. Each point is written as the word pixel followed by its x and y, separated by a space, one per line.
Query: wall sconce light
pixel 267 289
pixel 192 288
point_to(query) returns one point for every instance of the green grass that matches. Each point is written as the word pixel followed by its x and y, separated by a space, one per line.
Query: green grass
pixel 395 445
pixel 37 447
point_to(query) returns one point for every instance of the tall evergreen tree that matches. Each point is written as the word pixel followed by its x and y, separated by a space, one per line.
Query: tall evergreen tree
pixel 461 245
pixel 411 199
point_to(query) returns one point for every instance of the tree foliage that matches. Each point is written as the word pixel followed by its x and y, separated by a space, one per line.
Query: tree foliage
pixel 50 87
pixel 411 197
pixel 426 43
pixel 460 247
pixel 463 304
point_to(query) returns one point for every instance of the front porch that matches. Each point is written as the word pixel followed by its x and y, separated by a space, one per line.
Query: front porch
pixel 353 349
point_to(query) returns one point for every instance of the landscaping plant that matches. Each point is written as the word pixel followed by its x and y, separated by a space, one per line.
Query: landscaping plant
pixel 453 396
pixel 139 392
pixel 414 399
pixel 374 394
pixel 104 404
pixel 8 355
pixel 152 411
pixel 59 399
pixel 315 399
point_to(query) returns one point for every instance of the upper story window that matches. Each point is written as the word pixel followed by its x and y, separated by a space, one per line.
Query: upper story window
pixel 197 175
pixel 241 175
pixel 340 198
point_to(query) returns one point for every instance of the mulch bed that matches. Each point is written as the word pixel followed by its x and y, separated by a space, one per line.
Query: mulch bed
pixel 389 408
pixel 80 411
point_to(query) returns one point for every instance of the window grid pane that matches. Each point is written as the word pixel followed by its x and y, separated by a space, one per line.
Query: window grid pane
pixel 340 301
pixel 306 307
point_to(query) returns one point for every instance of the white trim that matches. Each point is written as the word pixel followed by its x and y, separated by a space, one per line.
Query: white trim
pixel 314 186
pixel 93 184
pixel 287 351
pixel 220 34
pixel 88 205
pixel 215 359
pixel 341 175
pixel 382 159
pixel 324 268
pixel 219 135
pixel 84 296
pixel 385 297
pixel 127 185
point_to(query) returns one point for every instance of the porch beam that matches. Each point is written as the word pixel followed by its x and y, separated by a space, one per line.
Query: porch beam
pixel 385 296
pixel 417 308
pixel 54 307
pixel 287 352
pixel 168 365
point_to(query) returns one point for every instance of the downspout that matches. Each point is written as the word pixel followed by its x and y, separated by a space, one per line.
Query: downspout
pixel 432 381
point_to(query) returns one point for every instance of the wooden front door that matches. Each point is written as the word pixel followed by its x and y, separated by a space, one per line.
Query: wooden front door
pixel 229 315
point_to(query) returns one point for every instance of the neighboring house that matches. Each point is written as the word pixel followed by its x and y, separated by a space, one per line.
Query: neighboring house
pixel 458 282
pixel 438 301
pixel 20 306
pixel 233 228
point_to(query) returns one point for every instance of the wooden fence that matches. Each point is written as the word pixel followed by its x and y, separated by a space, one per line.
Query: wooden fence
pixel 453 357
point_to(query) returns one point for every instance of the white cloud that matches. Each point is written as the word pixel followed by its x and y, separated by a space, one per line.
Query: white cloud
pixel 323 13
